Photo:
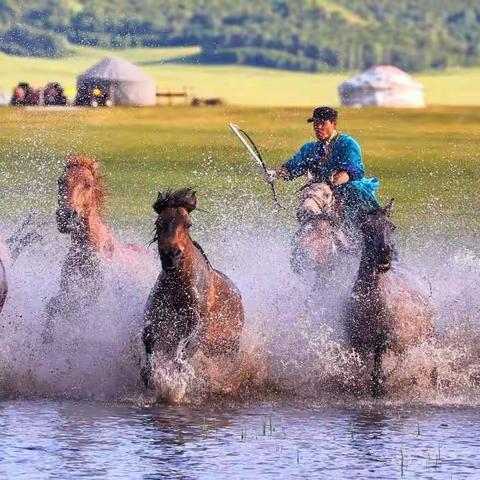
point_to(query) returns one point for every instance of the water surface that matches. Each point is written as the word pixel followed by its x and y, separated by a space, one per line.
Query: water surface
pixel 69 439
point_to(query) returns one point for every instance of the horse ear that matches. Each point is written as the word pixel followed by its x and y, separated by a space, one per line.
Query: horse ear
pixel 95 166
pixel 388 208
pixel 158 204
pixel 190 202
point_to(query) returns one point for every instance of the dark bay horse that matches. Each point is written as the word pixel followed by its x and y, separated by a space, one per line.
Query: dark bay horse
pixel 192 306
pixel 386 312
pixel 81 194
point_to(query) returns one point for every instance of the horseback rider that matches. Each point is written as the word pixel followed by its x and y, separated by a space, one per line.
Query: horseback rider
pixel 335 159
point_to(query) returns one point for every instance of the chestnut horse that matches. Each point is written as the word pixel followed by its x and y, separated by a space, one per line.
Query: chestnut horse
pixel 386 312
pixel 192 306
pixel 81 193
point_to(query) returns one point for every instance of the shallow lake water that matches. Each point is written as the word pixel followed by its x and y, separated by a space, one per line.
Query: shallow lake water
pixel 69 439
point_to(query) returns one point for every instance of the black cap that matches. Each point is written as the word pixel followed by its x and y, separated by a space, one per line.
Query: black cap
pixel 321 114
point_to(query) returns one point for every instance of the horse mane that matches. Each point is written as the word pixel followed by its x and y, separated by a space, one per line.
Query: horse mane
pixel 76 160
pixel 174 199
pixel 202 251
pixel 91 164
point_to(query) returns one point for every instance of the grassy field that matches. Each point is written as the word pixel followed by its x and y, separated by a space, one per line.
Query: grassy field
pixel 427 160
pixel 236 84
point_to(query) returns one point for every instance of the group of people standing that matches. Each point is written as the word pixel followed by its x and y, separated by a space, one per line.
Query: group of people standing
pixel 25 95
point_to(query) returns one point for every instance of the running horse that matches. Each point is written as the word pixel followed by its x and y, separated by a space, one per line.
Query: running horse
pixel 192 306
pixel 387 311
pixel 321 238
pixel 81 195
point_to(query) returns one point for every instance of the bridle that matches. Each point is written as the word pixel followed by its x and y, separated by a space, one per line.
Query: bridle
pixel 324 215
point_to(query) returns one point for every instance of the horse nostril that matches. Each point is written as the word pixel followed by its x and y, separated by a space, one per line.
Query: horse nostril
pixel 172 254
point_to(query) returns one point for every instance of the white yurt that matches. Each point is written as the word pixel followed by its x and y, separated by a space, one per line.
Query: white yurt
pixel 384 86
pixel 119 81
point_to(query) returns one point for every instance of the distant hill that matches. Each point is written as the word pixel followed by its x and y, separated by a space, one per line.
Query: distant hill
pixel 308 35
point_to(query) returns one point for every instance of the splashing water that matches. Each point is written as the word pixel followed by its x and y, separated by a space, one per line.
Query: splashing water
pixel 292 346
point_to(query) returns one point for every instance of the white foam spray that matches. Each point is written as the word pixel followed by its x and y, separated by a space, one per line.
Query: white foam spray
pixel 292 345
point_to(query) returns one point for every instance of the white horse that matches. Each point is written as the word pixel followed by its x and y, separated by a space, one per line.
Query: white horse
pixel 322 237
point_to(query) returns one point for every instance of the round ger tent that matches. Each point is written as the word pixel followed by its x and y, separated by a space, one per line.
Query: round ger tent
pixel 117 81
pixel 383 85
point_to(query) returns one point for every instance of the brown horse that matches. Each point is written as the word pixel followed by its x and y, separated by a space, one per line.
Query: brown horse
pixel 321 239
pixel 81 193
pixel 4 262
pixel 192 306
pixel 386 312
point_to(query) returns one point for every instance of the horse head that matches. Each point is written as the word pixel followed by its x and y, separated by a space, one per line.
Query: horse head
pixel 80 193
pixel 316 199
pixel 172 227
pixel 378 233
pixel 315 240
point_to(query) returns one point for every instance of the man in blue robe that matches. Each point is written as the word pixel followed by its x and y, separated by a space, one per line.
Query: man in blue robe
pixel 336 159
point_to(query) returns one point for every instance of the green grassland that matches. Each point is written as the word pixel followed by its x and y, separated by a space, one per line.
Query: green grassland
pixel 428 160
pixel 237 85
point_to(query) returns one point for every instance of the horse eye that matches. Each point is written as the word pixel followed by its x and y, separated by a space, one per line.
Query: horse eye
pixel 188 224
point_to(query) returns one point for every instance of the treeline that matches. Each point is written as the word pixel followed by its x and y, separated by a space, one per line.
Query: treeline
pixel 310 35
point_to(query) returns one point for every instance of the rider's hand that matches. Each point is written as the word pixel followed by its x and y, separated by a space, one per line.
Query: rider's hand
pixel 270 176
pixel 339 178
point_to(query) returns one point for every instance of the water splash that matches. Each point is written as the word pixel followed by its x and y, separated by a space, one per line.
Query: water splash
pixel 292 347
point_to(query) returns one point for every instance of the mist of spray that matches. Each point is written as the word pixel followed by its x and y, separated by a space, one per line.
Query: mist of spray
pixel 293 341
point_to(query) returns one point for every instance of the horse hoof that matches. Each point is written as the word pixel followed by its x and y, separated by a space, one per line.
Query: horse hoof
pixel 378 390
pixel 434 377
pixel 146 377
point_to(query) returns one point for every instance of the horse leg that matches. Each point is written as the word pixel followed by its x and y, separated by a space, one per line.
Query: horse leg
pixel 146 370
pixel 3 290
pixel 52 310
pixel 146 373
pixel 434 377
pixel 57 307
pixel 26 233
pixel 298 263
pixel 378 378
